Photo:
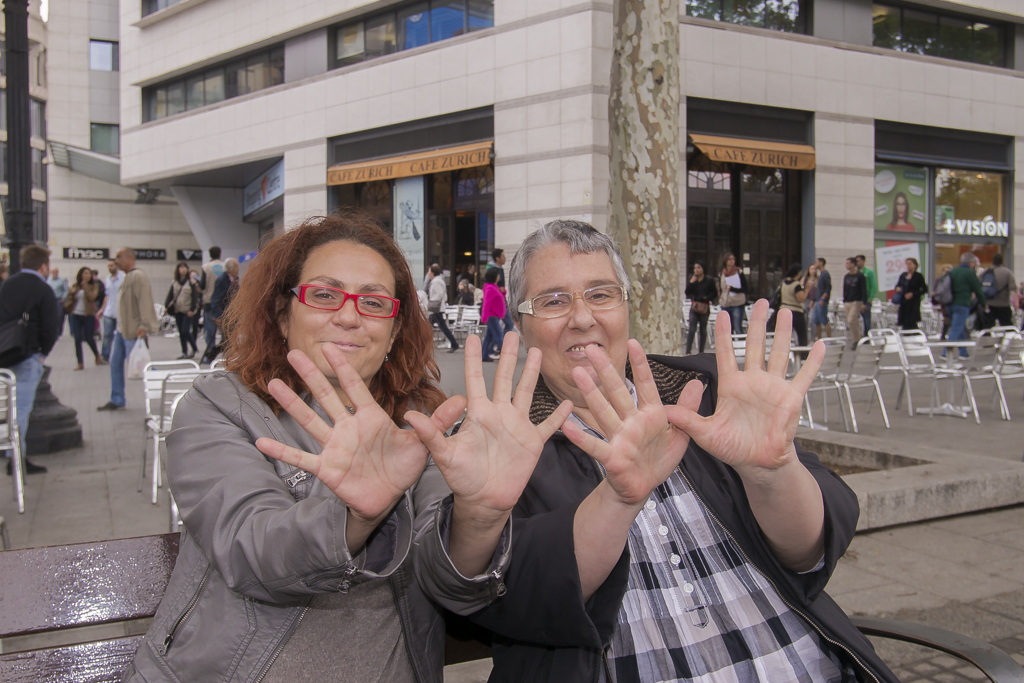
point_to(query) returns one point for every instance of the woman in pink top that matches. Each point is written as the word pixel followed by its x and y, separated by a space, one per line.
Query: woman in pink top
pixel 491 314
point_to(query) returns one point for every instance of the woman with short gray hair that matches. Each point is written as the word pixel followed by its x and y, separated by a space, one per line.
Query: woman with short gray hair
pixel 671 530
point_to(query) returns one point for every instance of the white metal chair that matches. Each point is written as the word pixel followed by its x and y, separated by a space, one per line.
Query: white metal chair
pixel 10 435
pixel 1011 363
pixel 175 516
pixel 918 362
pixel 219 364
pixel 157 417
pixel 825 381
pixel 860 372
pixel 981 363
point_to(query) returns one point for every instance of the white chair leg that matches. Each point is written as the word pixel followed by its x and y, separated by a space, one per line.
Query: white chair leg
pixel 1004 407
pixel 853 415
pixel 18 470
pixel 145 456
pixel 175 517
pixel 969 390
pixel 807 407
pixel 881 403
pixel 156 466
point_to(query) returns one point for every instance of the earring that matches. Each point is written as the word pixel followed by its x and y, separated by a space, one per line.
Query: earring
pixel 385 359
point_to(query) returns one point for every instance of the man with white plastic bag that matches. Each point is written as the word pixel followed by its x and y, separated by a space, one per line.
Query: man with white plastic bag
pixel 136 319
pixel 137 359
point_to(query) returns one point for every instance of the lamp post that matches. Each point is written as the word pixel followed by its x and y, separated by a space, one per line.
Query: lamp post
pixel 19 152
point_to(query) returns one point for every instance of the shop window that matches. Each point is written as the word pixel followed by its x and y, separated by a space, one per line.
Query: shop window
pixel 926 32
pixel 222 82
pixel 150 6
pixel 768 180
pixel 40 227
pixel 778 15
pixel 407 27
pixel 474 189
pixel 103 56
pixel 708 180
pixel 38 170
pixel 970 203
pixel 105 138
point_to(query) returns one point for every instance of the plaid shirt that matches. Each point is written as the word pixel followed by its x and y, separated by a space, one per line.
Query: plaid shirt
pixel 696 610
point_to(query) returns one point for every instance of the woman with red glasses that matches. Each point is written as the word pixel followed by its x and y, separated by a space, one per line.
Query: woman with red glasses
pixel 302 490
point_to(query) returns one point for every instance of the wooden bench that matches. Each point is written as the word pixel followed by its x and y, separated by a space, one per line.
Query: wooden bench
pixel 66 601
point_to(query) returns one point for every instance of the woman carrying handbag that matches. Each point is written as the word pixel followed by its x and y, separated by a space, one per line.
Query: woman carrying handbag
pixel 80 303
pixel 183 300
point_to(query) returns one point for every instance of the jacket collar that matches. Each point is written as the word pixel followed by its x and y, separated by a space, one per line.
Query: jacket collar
pixel 670 382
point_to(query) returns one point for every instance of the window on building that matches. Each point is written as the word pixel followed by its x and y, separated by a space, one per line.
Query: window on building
pixel 408 26
pixel 215 84
pixel 150 6
pixel 40 227
pixel 37 118
pixel 778 15
pixel 105 138
pixel 103 56
pixel 926 32
pixel 38 170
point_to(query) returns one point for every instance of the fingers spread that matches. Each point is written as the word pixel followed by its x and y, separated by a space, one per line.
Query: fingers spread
pixel 591 445
pixel 430 435
pixel 318 385
pixel 476 388
pixel 448 413
pixel 506 371
pixel 297 408
pixel 725 355
pixel 523 397
pixel 607 417
pixel 754 357
pixel 809 370
pixel 349 379
pixel 611 382
pixel 555 420
pixel 778 357
pixel 684 414
pixel 287 454
pixel 643 379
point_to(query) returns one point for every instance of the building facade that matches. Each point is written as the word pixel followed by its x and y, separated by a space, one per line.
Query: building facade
pixel 90 214
pixel 813 127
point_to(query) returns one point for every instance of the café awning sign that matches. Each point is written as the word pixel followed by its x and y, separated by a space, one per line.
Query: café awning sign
pixel 755 152
pixel 419 163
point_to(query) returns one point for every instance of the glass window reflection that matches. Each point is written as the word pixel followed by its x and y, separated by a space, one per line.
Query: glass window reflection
pixel 778 15
pixel 413 26
pixel 922 31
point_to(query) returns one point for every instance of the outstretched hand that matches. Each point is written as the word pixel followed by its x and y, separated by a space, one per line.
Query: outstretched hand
pixel 643 447
pixel 758 409
pixel 366 459
pixel 489 461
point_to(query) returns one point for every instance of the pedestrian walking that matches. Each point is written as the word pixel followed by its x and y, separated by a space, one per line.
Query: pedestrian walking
pixel 794 293
pixel 497 263
pixel 701 290
pixel 819 313
pixel 101 301
pixel 198 317
pixel 183 302
pixel 1000 310
pixel 965 284
pixel 212 270
pixel 855 298
pixel 60 290
pixel 437 299
pixel 80 304
pixel 491 314
pixel 910 290
pixel 223 292
pixel 732 283
pixel 872 279
pixel 108 314
pixel 136 318
pixel 26 293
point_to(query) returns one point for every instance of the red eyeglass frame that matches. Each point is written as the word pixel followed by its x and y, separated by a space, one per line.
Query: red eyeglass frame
pixel 300 294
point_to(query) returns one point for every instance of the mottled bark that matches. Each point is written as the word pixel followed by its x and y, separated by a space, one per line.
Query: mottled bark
pixel 643 211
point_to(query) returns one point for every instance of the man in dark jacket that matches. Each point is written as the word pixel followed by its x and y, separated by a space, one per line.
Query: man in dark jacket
pixel 27 292
pixel 855 298
pixel 672 530
pixel 223 291
pixel 965 283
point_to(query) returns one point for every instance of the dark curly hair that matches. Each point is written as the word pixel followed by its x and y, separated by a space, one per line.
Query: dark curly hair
pixel 256 349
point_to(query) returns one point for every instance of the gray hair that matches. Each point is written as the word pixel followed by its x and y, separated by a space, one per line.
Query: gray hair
pixel 580 237
pixel 967 258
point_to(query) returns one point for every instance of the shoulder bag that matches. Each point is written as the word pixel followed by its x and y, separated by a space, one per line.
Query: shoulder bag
pixel 14 342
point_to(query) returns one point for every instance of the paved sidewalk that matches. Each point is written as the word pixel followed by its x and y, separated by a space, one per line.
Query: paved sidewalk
pixel 961 573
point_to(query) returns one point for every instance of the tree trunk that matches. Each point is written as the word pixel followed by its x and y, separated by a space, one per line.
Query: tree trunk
pixel 643 119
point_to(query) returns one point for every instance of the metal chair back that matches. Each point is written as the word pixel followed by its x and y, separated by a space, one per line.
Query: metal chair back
pixel 984 355
pixel 10 435
pixel 153 376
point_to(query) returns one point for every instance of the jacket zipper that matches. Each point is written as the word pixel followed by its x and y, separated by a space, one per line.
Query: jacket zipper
pixel 772 583
pixel 189 608
pixel 280 646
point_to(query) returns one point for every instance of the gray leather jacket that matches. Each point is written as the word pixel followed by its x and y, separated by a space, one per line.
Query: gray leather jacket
pixel 262 538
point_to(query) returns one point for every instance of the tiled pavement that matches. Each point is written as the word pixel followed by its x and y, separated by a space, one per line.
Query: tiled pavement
pixel 962 573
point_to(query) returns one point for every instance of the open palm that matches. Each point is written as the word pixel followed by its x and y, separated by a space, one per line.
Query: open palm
pixel 758 409
pixel 489 461
pixel 643 447
pixel 366 459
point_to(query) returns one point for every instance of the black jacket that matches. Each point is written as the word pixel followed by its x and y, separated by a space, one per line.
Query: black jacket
pixel 25 293
pixel 855 287
pixel 542 629
pixel 703 290
pixel 223 291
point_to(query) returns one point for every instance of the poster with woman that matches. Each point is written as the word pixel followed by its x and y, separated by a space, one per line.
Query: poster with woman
pixel 900 198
